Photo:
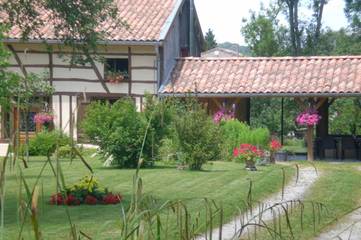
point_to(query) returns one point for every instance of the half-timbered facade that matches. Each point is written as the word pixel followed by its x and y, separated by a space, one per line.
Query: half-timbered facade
pixel 145 54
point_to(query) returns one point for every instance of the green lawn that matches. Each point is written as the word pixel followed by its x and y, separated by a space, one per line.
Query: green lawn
pixel 224 182
pixel 338 189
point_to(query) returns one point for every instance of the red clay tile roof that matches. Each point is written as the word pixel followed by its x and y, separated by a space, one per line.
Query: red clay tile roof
pixel 264 76
pixel 146 19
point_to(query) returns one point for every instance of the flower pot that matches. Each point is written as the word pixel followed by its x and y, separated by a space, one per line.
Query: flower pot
pixel 281 156
pixel 272 158
pixel 251 165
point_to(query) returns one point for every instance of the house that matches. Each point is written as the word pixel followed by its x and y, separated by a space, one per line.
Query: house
pixel 145 53
pixel 219 52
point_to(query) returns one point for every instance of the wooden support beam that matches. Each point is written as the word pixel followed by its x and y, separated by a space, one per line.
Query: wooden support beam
pixel 320 102
pixel 100 77
pixel 130 71
pixel 51 70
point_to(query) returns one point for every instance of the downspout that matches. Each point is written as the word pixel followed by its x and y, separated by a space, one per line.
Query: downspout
pixel 191 28
pixel 157 50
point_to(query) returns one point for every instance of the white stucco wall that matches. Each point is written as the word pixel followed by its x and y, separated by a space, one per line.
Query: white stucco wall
pixel 70 83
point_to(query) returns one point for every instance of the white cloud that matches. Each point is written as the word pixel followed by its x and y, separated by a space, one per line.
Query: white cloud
pixel 225 17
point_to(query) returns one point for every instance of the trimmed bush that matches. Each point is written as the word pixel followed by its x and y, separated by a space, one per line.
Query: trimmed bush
pixel 235 133
pixel 119 130
pixel 197 137
pixel 45 143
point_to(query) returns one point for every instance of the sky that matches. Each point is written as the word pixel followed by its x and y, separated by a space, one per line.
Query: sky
pixel 225 17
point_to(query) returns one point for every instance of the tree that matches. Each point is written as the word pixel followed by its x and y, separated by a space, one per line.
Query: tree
pixel 353 14
pixel 210 40
pixel 263 34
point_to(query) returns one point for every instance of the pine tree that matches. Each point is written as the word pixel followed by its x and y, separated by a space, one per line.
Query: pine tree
pixel 210 40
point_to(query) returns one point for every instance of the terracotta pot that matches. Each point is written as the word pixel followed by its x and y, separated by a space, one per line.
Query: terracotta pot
pixel 251 165
pixel 272 158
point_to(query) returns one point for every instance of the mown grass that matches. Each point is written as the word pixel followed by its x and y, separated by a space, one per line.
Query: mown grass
pixel 338 188
pixel 225 182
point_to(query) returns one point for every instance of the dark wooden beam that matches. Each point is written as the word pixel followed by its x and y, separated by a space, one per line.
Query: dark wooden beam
pixel 61 112
pixel 51 70
pixel 130 70
pixel 18 61
pixel 100 77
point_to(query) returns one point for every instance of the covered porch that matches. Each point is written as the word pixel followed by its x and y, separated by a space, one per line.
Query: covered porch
pixel 313 81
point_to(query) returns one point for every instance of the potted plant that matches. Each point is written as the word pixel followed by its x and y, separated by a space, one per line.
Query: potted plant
pixel 116 77
pixel 44 119
pixel 274 147
pixel 249 154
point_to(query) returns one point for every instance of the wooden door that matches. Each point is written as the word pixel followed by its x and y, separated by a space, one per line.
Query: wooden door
pixel 23 120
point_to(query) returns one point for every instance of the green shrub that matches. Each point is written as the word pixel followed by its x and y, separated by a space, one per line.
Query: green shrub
pixel 168 151
pixel 118 129
pixel 65 152
pixel 161 114
pixel 235 133
pixel 198 138
pixel 45 142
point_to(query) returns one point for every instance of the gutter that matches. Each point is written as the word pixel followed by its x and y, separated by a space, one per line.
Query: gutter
pixel 54 41
pixel 247 95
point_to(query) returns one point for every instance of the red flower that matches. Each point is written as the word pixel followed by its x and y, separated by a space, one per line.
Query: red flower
pixel 111 198
pixel 275 145
pixel 90 200
pixel 56 199
pixel 71 200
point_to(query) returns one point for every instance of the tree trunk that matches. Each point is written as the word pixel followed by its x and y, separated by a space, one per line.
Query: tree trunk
pixel 309 139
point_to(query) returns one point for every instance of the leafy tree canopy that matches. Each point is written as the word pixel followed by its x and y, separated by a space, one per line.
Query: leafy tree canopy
pixel 210 40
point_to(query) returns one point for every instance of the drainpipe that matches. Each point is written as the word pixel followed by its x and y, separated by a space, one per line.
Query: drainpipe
pixel 191 28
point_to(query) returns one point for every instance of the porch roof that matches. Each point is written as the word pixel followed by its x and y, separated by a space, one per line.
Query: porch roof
pixel 271 76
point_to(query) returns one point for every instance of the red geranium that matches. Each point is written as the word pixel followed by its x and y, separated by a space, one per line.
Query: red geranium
pixel 90 200
pixel 57 199
pixel 275 145
pixel 111 198
pixel 71 200
pixel 247 152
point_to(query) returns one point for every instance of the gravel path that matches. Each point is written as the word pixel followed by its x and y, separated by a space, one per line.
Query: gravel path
pixel 348 229
pixel 293 191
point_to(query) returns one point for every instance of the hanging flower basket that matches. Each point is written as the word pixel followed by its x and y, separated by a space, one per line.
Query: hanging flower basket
pixel 43 118
pixel 223 115
pixel 308 118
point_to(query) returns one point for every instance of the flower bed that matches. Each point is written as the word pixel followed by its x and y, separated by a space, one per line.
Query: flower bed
pixel 86 191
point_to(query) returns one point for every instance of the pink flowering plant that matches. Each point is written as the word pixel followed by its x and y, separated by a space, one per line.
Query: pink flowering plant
pixel 43 117
pixel 309 117
pixel 223 115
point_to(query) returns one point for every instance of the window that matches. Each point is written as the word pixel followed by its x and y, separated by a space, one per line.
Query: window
pixel 27 119
pixel 116 69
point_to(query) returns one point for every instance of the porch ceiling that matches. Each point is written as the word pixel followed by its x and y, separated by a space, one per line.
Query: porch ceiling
pixel 275 76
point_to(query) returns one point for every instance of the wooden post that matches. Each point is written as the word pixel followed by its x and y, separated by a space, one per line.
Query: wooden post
pixel 309 139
